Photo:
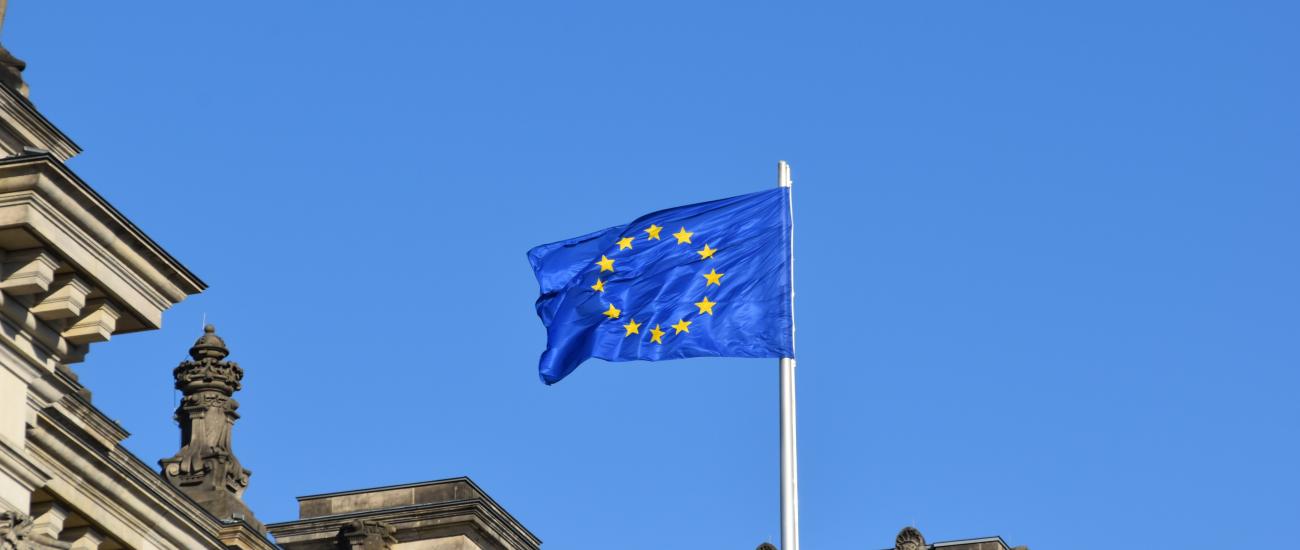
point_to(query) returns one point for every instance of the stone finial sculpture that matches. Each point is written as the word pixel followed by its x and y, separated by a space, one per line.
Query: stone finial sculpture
pixel 766 546
pixel 205 468
pixel 909 538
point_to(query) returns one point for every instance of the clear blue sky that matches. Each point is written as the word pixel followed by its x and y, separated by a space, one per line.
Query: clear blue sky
pixel 1048 280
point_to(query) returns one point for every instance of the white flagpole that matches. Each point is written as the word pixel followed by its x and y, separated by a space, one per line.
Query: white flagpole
pixel 789 443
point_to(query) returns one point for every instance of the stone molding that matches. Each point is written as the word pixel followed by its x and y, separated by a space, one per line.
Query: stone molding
pixel 40 195
pixel 37 342
pixel 127 498
pixel 28 128
pixel 17 467
pixel 97 323
pixel 82 538
pixel 73 270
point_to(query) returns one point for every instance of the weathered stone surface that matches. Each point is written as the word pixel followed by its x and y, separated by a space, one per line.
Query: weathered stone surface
pixel 364 534
pixel 387 497
pixel 449 514
pixel 27 271
pixel 909 538
pixel 97 324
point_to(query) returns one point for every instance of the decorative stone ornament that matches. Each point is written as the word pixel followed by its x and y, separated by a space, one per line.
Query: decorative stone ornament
pixel 364 534
pixel 205 468
pixel 14 530
pixel 909 539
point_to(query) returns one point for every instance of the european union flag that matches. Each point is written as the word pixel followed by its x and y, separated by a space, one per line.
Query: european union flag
pixel 708 279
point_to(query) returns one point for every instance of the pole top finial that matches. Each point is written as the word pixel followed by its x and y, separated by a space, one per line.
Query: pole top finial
pixel 209 345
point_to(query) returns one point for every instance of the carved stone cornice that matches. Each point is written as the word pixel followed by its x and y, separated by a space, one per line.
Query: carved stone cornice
pixel 19 468
pixel 40 196
pixel 73 270
pixel 119 492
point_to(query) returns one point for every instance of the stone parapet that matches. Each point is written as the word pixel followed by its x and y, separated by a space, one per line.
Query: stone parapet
pixel 449 513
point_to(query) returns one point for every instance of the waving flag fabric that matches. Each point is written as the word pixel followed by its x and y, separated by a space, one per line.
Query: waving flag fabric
pixel 708 279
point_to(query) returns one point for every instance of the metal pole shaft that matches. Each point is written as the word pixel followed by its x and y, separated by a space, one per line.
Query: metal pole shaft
pixel 789 446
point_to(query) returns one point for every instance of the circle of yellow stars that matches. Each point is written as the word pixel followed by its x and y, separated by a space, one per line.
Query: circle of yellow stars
pixel 656 332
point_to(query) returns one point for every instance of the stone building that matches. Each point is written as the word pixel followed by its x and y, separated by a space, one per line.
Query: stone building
pixel 75 272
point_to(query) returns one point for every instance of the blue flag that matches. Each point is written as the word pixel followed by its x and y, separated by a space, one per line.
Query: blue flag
pixel 708 279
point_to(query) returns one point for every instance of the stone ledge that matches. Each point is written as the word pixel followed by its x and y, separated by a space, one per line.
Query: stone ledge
pixel 446 512
pixel 28 128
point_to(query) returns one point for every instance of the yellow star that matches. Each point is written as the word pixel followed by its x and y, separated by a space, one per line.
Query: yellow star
pixel 653 232
pixel 600 286
pixel 683 236
pixel 705 254
pixel 713 278
pixel 706 306
pixel 607 264
pixel 682 326
pixel 612 312
pixel 632 327
pixel 656 335
pixel 625 242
